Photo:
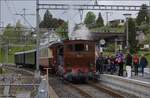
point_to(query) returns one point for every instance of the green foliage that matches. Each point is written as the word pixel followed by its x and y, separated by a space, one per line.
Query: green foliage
pixel 145 28
pixel 147 38
pixel 9 31
pixel 132 33
pixel 47 20
pixel 110 47
pixel 11 53
pixel 108 29
pixel 90 19
pixel 1 70
pixel 143 16
pixel 62 31
pixel 16 34
pixel 99 21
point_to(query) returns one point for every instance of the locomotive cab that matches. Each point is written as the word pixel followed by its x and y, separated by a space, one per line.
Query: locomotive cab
pixel 79 55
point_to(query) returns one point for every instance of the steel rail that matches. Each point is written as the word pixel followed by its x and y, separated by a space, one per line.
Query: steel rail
pixel 106 90
pixel 11 96
pixel 83 93
pixel 19 84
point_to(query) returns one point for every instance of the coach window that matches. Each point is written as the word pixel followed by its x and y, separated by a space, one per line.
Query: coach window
pixel 44 52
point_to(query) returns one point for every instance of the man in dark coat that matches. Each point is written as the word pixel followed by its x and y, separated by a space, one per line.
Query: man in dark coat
pixel 143 63
pixel 100 64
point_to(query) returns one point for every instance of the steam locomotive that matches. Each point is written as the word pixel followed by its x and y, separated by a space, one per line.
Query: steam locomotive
pixel 74 60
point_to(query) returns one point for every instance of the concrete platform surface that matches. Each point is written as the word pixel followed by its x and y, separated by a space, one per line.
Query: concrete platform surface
pixel 145 78
pixel 134 85
pixel 23 95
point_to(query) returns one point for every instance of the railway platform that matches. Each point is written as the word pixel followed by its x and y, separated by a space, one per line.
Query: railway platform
pixel 136 85
pixel 145 78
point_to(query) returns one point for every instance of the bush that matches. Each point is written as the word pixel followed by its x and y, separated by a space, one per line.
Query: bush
pixel 110 47
pixel 1 70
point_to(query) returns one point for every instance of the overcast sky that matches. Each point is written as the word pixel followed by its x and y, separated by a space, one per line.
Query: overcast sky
pixel 10 8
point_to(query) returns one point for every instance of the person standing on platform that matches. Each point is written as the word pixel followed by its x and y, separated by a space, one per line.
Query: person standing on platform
pixel 143 63
pixel 128 60
pixel 100 64
pixel 97 65
pixel 136 63
pixel 119 61
pixel 112 65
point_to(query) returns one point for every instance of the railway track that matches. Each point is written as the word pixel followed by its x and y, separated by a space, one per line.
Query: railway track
pixel 21 80
pixel 92 90
pixel 106 90
pixel 89 90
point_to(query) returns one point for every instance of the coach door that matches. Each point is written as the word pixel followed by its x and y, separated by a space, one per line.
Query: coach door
pixel 60 55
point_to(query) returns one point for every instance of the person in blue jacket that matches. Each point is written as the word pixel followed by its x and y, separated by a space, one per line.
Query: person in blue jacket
pixel 143 63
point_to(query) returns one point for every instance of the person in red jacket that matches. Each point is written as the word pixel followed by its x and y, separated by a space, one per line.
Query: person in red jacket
pixel 136 63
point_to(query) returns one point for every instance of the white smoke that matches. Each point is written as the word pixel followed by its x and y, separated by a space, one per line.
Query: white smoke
pixel 82 32
pixel 71 23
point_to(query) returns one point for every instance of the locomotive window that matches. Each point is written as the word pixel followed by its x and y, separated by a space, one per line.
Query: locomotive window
pixel 79 47
pixel 70 47
pixel 87 47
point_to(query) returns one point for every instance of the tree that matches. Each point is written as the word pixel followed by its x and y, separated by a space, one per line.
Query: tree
pixel 99 21
pixel 132 33
pixel 90 19
pixel 47 20
pixel 143 16
pixel 50 22
pixel 62 30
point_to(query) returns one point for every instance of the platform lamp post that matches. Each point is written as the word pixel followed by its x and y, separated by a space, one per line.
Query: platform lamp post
pixel 127 16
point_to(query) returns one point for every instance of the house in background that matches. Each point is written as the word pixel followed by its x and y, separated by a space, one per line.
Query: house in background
pixel 116 22
pixel 140 36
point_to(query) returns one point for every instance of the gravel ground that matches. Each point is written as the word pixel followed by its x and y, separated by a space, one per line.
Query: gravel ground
pixel 26 79
pixel 63 90
pixel 127 95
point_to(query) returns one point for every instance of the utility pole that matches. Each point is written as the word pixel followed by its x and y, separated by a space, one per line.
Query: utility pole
pixel 37 38
pixel 0 13
pixel 95 2
pixel 127 16
pixel 107 18
pixel 24 14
